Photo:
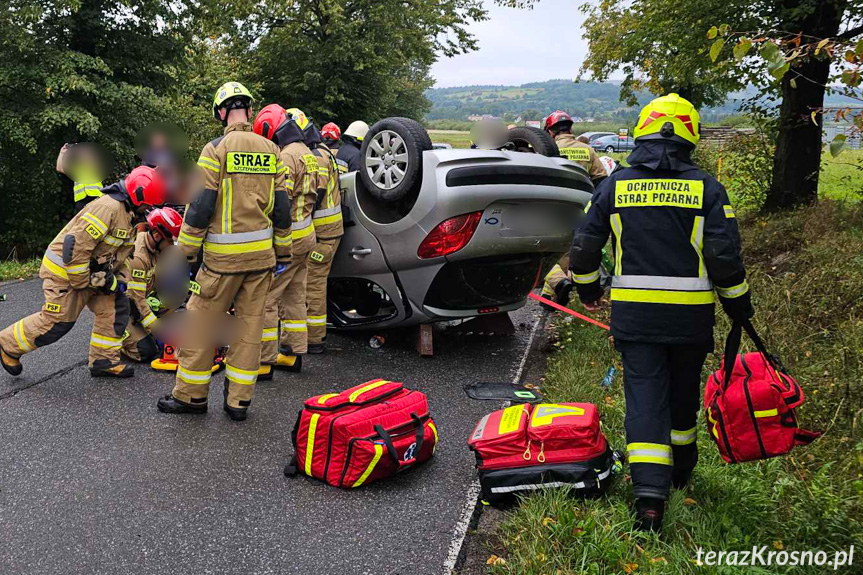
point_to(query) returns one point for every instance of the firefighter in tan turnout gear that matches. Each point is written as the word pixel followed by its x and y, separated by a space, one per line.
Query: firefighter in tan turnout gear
pixel 286 303
pixel 138 273
pixel 78 271
pixel 241 221
pixel 558 284
pixel 327 220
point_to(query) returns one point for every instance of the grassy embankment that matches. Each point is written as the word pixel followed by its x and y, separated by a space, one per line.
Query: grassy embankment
pixel 806 270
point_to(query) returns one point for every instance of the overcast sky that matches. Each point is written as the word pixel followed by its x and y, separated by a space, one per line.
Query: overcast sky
pixel 517 46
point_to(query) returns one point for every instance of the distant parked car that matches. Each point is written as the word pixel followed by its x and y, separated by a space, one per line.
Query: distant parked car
pixel 441 146
pixel 591 136
pixel 613 143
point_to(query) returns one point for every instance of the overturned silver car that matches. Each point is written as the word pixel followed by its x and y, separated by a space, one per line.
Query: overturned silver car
pixel 434 235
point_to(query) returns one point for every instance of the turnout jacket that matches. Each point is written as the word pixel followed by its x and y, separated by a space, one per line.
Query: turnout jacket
pixel 301 167
pixel 98 236
pixel 327 217
pixel 242 217
pixel 138 273
pixel 349 153
pixel 675 240
pixel 580 153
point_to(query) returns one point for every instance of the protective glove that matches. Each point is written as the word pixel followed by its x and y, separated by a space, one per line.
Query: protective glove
pixel 279 269
pixel 739 308
pixel 154 303
pixel 106 282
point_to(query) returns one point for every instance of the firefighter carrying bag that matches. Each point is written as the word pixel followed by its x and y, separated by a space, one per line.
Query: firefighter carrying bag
pixel 749 403
pixel 365 433
pixel 535 446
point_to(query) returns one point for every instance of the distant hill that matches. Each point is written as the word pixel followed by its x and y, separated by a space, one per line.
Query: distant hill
pixel 599 100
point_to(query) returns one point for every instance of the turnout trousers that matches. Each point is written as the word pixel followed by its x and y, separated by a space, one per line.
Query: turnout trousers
pixel 248 293
pixel 286 304
pixel 662 384
pixel 320 263
pixel 58 315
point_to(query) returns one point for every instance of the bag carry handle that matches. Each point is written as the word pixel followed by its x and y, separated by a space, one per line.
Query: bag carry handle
pixel 732 348
pixel 391 449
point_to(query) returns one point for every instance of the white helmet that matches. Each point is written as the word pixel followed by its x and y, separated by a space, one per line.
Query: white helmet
pixel 357 130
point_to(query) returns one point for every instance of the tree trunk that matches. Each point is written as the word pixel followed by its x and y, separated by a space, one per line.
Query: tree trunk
pixel 798 148
pixel 797 161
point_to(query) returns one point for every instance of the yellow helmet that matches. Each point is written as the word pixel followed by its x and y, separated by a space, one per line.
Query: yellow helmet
pixel 669 117
pixel 230 91
pixel 299 117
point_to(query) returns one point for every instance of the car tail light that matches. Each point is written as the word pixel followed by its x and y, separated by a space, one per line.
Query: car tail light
pixel 449 236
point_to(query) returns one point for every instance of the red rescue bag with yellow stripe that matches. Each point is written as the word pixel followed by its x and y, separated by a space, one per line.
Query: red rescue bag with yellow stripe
pixel 528 447
pixel 749 403
pixel 365 433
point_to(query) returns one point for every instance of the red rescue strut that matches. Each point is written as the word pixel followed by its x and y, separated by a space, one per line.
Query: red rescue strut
pixel 559 307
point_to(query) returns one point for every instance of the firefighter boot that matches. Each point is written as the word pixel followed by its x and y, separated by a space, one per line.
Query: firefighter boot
pixel 103 368
pixel 317 348
pixel 265 373
pixel 235 413
pixel 170 404
pixel 292 363
pixel 562 291
pixel 648 514
pixel 11 364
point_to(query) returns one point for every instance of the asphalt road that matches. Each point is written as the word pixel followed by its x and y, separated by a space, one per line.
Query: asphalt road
pixel 93 479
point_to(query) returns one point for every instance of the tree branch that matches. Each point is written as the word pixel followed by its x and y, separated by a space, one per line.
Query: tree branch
pixel 851 33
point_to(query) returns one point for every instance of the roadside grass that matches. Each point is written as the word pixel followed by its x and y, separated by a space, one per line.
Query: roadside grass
pixel 455 138
pixel 12 269
pixel 806 269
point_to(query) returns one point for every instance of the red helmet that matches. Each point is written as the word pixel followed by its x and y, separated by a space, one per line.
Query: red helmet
pixel 146 186
pixel 556 118
pixel 268 121
pixel 331 132
pixel 166 221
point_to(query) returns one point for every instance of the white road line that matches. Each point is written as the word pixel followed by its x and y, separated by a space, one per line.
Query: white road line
pixel 473 489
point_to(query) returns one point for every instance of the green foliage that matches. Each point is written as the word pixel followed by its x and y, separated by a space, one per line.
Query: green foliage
pixel 343 60
pixel 660 47
pixel 13 269
pixel 806 275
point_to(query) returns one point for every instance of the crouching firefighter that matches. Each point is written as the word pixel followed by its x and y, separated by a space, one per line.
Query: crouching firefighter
pixel 138 273
pixel 558 124
pixel 675 242
pixel 285 337
pixel 329 229
pixel 78 270
pixel 241 220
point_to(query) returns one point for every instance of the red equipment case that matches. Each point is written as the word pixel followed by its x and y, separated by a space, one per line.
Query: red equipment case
pixel 749 403
pixel 527 447
pixel 365 433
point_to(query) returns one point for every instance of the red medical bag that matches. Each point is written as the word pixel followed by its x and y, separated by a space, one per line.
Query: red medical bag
pixel 365 433
pixel 528 447
pixel 749 403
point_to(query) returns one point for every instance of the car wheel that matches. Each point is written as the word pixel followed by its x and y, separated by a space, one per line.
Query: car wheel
pixel 533 140
pixel 609 149
pixel 391 155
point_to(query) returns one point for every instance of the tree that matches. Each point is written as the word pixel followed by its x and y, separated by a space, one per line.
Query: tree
pixel 806 47
pixel 343 60
pixel 658 44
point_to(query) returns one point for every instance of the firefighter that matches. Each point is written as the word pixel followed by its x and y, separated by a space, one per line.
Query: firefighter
pixel 352 140
pixel 331 135
pixel 285 336
pixel 78 270
pixel 558 284
pixel 241 221
pixel 329 229
pixel 163 227
pixel 676 241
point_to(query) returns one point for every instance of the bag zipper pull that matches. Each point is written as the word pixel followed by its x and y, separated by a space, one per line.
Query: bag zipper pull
pixel 526 455
pixel 541 457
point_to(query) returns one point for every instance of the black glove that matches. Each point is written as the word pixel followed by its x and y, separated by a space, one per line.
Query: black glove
pixel 738 309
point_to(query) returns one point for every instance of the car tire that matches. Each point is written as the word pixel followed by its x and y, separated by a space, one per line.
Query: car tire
pixel 533 140
pixel 392 156
pixel 609 149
